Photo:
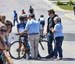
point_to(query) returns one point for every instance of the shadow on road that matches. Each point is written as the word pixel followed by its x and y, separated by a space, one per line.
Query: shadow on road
pixel 69 36
pixel 64 59
pixel 68 59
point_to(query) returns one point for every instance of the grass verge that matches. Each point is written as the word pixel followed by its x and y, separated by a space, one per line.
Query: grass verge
pixel 66 7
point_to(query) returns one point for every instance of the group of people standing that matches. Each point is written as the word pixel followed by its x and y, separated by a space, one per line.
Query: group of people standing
pixel 55 33
pixel 32 27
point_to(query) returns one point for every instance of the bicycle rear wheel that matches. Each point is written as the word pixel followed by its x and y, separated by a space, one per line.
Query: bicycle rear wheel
pixel 15 52
pixel 43 48
pixel 43 41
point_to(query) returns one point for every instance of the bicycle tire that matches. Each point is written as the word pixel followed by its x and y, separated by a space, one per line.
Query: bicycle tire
pixel 45 41
pixel 14 50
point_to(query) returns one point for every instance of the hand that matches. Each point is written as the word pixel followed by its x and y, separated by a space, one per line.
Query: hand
pixel 51 28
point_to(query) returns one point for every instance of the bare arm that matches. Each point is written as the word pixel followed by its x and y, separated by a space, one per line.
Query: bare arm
pixel 51 29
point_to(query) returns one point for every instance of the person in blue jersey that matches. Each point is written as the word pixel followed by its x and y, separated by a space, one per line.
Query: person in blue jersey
pixel 21 28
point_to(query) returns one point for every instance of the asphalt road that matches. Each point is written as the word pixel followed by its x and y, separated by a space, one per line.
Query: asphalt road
pixel 41 7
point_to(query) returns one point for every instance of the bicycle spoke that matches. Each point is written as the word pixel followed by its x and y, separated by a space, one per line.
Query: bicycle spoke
pixel 15 52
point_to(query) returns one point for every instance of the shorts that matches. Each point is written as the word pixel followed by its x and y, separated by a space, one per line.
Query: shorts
pixel 25 39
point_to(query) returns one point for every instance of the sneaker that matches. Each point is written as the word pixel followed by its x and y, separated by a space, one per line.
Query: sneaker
pixel 60 58
pixel 39 56
pixel 24 56
pixel 49 56
pixel 30 58
pixel 54 57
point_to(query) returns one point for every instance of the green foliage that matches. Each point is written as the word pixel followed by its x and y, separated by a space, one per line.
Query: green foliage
pixel 66 7
pixel 61 3
pixel 70 2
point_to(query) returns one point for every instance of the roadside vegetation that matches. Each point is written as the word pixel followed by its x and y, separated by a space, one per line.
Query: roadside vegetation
pixel 66 5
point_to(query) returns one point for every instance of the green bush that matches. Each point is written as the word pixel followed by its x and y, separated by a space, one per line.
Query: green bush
pixel 66 7
pixel 61 3
pixel 70 2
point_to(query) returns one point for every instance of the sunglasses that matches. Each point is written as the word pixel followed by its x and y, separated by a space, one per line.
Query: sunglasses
pixel 8 24
pixel 3 30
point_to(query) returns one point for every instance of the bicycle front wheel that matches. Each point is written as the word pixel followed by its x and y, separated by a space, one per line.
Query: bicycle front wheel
pixel 16 52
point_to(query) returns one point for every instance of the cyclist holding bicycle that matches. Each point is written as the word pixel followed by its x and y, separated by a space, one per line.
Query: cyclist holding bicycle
pixel 20 29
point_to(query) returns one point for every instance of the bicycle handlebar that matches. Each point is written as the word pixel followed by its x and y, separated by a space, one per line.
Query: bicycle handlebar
pixel 20 33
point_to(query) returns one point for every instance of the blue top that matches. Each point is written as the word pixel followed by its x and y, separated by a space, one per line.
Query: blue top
pixel 58 28
pixel 33 26
pixel 21 27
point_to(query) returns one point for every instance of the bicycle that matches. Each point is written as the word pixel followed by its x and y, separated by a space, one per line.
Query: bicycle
pixel 43 39
pixel 14 50
pixel 19 54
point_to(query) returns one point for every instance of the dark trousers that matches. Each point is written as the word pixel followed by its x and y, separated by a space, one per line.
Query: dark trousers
pixel 50 46
pixel 58 47
pixel 1 62
pixel 15 20
pixel 1 58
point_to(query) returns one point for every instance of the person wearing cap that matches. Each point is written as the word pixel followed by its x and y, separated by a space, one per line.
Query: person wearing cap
pixel 58 37
pixel 33 30
pixel 22 24
pixel 20 28
pixel 50 36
